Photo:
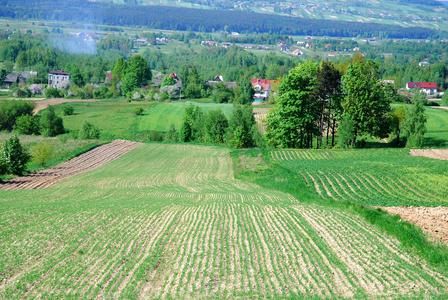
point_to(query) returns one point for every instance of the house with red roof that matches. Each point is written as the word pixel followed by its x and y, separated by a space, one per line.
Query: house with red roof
pixel 430 88
pixel 262 88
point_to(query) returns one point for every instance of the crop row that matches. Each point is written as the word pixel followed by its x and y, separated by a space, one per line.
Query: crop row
pixel 114 233
pixel 376 177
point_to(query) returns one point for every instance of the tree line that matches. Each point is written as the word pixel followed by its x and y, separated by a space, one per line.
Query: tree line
pixel 185 19
pixel 317 101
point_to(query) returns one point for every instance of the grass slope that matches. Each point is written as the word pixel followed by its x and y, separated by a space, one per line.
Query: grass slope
pixel 437 126
pixel 116 119
pixel 170 221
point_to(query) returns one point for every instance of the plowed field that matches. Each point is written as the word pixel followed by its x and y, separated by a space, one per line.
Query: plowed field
pixel 78 165
pixel 170 221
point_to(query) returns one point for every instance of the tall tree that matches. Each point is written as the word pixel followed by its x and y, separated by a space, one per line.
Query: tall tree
pixel 241 127
pixel 365 100
pixel 2 76
pixel 292 124
pixel 414 123
pixel 328 91
pixel 119 68
pixel 139 66
pixel 246 90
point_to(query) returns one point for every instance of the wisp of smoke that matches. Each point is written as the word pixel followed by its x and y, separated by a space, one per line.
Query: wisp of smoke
pixel 73 44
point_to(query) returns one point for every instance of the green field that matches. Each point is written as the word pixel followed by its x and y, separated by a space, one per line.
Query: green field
pixel 160 116
pixel 437 126
pixel 115 118
pixel 382 177
pixel 170 221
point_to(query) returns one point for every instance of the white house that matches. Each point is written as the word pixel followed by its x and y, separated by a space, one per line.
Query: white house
pixel 55 77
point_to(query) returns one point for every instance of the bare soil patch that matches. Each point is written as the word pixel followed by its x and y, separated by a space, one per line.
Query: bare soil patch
pixel 88 161
pixel 431 153
pixel 41 105
pixel 432 220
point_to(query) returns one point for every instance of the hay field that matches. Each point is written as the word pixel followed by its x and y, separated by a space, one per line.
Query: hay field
pixel 170 221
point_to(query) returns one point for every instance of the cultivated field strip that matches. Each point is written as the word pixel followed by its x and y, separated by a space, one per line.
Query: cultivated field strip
pixel 170 222
pixel 260 115
pixel 377 177
pixel 83 163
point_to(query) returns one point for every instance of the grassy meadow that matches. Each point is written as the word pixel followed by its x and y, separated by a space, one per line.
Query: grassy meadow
pixel 437 128
pixel 116 119
pixel 171 221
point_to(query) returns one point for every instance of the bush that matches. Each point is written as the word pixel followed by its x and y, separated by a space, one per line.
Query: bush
pixel 100 93
pixel 42 152
pixel 63 138
pixel 89 131
pixel 172 135
pixel 138 111
pixel 52 93
pixel 445 99
pixel 22 92
pixel 13 156
pixel 155 136
pixel 68 110
pixel 11 110
pixel 50 123
pixel 27 124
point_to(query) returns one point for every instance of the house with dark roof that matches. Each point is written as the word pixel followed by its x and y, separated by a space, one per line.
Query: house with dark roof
pixel 430 88
pixel 56 77
pixel 10 80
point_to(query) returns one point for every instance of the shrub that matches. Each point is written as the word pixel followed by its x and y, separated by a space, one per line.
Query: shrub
pixel 155 136
pixel 13 156
pixel 445 99
pixel 22 92
pixel 138 111
pixel 52 93
pixel 100 93
pixel 68 110
pixel 11 110
pixel 63 138
pixel 89 131
pixel 42 152
pixel 50 123
pixel 172 135
pixel 27 124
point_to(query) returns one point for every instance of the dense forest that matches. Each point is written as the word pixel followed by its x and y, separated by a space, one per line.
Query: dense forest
pixel 173 18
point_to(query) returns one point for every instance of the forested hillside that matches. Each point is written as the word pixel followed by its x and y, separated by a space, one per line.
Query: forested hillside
pixel 175 18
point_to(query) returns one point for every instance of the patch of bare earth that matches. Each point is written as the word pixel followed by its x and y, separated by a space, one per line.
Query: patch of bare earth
pixel 88 161
pixel 41 105
pixel 432 220
pixel 431 153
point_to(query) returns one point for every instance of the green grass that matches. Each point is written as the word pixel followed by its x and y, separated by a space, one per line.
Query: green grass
pixel 437 128
pixel 160 116
pixel 171 221
pixel 115 118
